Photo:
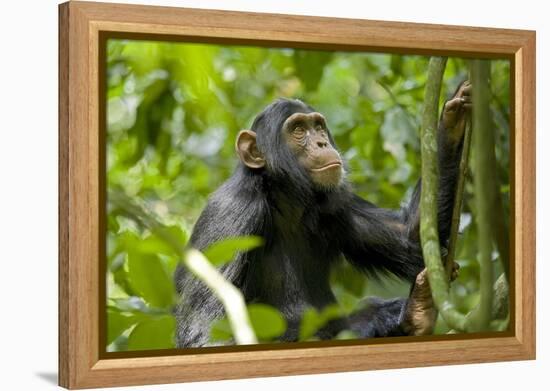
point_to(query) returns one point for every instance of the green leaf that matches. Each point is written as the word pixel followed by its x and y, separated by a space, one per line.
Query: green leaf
pixel 120 276
pixel 154 245
pixel 347 334
pixel 177 235
pixel 148 277
pixel 129 304
pixel 220 331
pixel 226 250
pixel 154 333
pixel 117 323
pixel 112 223
pixel 309 324
pixel 347 301
pixel 267 322
pixel 313 320
pixel 310 65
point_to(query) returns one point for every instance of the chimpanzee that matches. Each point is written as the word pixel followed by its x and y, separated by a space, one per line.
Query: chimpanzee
pixel 290 189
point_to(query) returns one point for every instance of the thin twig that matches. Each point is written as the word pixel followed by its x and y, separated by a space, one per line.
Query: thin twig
pixel 231 297
pixel 459 195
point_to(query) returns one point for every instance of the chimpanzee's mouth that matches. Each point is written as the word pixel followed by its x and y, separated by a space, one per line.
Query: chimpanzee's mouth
pixel 333 164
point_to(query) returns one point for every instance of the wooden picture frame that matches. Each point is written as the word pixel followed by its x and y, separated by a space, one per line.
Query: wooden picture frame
pixel 83 26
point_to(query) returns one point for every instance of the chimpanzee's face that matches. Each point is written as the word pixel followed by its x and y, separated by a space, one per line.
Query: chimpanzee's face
pixel 307 136
pixel 300 131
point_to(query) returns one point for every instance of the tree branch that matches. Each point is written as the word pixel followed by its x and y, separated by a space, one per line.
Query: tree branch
pixel 429 236
pixel 484 190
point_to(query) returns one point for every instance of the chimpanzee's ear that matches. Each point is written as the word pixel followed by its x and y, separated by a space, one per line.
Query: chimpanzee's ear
pixel 247 149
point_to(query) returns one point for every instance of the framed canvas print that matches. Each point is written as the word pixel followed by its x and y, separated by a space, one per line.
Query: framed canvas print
pixel 248 195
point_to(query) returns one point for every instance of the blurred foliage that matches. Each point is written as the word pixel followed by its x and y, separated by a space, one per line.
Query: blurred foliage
pixel 222 252
pixel 267 323
pixel 173 111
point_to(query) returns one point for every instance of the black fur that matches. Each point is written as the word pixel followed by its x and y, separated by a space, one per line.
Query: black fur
pixel 306 231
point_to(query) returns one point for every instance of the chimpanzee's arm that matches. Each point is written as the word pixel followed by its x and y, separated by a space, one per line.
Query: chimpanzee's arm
pixel 378 240
pixel 379 318
pixel 383 240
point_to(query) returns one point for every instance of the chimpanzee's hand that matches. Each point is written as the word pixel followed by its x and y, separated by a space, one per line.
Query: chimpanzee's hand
pixel 421 314
pixel 456 112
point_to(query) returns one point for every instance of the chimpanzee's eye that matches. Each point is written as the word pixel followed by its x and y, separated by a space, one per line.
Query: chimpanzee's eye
pixel 298 130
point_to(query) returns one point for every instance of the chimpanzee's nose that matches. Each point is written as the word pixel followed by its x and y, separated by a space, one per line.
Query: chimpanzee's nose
pixel 322 143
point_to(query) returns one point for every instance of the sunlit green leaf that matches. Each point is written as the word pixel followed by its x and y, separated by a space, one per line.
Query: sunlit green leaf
pixel 267 322
pixel 346 334
pixel 155 245
pixel 149 278
pixel 221 330
pixel 117 323
pixel 224 251
pixel 153 333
